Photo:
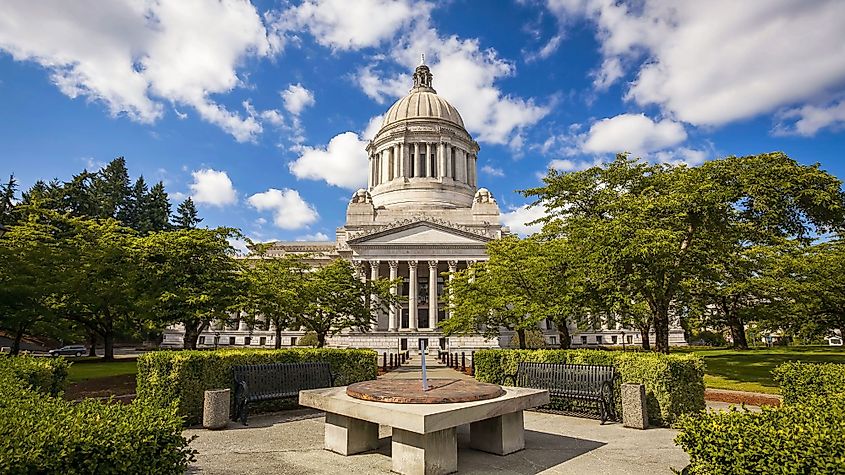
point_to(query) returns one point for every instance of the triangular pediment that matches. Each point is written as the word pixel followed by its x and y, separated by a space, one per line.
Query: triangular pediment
pixel 421 233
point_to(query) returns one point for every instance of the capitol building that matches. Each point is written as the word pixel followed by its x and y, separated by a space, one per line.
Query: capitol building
pixel 421 216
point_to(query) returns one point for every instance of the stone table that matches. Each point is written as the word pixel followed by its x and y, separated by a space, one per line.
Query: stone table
pixel 424 435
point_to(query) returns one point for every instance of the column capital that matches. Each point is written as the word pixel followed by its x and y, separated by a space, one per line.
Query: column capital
pixel 393 264
pixel 412 264
pixel 453 266
pixel 374 263
pixel 433 264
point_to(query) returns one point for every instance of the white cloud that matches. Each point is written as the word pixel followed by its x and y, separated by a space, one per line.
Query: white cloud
pixel 134 56
pixel 212 187
pixel 714 62
pixel 492 171
pixel 464 74
pixel 517 219
pixel 633 133
pixel 313 237
pixel 682 155
pixel 547 50
pixel 290 211
pixel 342 25
pixel 297 98
pixel 566 165
pixel 343 162
pixel 811 119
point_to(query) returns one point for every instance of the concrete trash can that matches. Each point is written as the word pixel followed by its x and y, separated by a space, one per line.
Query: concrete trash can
pixel 215 409
pixel 634 412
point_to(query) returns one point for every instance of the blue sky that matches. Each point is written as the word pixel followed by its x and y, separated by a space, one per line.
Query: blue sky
pixel 261 110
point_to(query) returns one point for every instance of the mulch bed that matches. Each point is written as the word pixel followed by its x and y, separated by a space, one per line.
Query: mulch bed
pixel 742 397
pixel 122 387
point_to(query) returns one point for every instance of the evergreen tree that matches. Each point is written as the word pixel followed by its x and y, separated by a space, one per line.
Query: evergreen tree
pixel 77 196
pixel 112 190
pixel 136 207
pixel 156 209
pixel 186 215
pixel 7 199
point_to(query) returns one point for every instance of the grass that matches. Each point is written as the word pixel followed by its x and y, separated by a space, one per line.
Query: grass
pixel 83 370
pixel 751 370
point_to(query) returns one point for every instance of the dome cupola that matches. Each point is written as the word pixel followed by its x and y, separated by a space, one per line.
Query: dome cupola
pixel 422 156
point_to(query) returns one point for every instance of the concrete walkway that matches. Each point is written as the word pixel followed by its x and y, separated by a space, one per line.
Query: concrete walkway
pixel 434 370
pixel 292 443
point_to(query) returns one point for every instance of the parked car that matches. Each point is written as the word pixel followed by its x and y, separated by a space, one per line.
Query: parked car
pixel 69 350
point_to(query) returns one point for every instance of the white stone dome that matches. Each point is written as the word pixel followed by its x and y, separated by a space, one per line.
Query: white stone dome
pixel 422 103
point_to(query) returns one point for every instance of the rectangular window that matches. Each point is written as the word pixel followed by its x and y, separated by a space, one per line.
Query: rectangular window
pixel 247 340
pixel 598 339
pixel 293 341
pixel 202 340
pixel 583 340
pixel 630 339
pixel 262 341
pixel 553 340
pixel 613 338
pixel 231 340
pixel 403 343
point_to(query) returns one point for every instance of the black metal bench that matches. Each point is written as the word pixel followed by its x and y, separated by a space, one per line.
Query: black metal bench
pixel 264 382
pixel 592 383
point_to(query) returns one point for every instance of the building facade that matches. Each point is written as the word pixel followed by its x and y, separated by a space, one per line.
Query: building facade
pixel 421 216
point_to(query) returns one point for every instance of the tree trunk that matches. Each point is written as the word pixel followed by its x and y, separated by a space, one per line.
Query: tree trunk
pixel 521 335
pixel 16 344
pixel 661 329
pixel 108 347
pixel 189 341
pixel 646 343
pixel 92 344
pixel 321 339
pixel 563 334
pixel 278 342
pixel 737 332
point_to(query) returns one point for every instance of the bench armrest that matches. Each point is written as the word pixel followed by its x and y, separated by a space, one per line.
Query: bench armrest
pixel 241 388
pixel 333 378
pixel 512 378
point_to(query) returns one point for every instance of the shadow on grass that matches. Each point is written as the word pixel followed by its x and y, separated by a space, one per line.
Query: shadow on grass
pixel 756 367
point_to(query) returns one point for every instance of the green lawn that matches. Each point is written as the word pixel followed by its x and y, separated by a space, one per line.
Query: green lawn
pixel 751 370
pixel 82 370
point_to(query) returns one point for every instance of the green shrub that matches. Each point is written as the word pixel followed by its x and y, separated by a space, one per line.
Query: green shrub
pixel 44 375
pixel 44 434
pixel 800 381
pixel 308 339
pixel 182 377
pixel 674 383
pixel 804 437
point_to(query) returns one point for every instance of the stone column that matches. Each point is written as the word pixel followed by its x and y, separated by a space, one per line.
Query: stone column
pixel 385 162
pixel 412 295
pixel 427 161
pixel 370 176
pixel 441 161
pixel 447 172
pixel 392 315
pixel 402 166
pixel 373 276
pixel 416 159
pixel 453 267
pixel 461 166
pixel 432 294
pixel 242 326
pixel 471 169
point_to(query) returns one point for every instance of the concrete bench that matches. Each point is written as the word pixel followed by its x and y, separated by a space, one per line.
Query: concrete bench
pixel 424 435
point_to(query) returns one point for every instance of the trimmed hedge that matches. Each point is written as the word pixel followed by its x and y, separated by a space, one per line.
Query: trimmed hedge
pixel 803 437
pixel 44 434
pixel 182 377
pixel 44 375
pixel 674 383
pixel 801 381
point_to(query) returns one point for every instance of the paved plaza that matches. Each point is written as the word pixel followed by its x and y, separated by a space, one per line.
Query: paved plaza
pixel 292 442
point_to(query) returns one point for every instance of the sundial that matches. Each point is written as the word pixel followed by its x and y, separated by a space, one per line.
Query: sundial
pixel 423 390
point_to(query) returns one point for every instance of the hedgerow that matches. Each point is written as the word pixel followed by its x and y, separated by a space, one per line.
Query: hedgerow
pixel 182 377
pixel 674 383
pixel 45 434
pixel 804 437
pixel 800 381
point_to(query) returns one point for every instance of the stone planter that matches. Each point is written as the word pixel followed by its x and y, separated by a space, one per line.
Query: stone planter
pixel 215 409
pixel 634 412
